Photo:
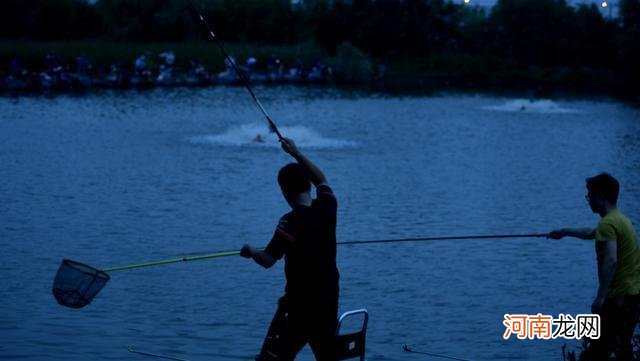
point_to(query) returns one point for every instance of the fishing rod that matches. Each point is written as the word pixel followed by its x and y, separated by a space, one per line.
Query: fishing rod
pixel 446 238
pixel 76 284
pixel 241 75
pixel 406 348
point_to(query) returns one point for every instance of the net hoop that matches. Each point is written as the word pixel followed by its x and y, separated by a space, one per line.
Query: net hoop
pixel 76 284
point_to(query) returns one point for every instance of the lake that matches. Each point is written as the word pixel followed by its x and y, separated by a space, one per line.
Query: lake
pixel 115 178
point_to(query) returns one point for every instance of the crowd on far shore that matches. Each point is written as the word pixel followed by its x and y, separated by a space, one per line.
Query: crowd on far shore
pixel 148 71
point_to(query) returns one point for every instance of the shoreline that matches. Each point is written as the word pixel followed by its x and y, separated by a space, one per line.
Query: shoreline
pixel 112 65
pixel 417 85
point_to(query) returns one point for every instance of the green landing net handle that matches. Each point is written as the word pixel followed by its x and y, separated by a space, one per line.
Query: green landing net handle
pixel 174 260
pixel 76 284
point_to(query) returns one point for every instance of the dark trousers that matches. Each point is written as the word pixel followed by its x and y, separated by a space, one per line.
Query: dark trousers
pixel 618 320
pixel 297 323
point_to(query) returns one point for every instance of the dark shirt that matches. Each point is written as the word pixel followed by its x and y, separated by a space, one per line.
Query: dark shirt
pixel 306 237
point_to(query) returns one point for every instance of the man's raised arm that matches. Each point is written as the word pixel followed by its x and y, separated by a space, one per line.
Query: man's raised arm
pixel 313 172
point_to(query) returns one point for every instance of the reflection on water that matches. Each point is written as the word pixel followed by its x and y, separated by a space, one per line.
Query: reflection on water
pixel 116 178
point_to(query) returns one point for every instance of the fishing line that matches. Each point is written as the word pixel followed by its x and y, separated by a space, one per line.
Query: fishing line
pixel 168 357
pixel 165 357
pixel 410 350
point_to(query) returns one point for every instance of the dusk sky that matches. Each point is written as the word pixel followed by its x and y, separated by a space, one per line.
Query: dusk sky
pixel 491 2
pixel 612 3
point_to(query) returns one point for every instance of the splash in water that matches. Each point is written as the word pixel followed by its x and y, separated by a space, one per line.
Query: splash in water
pixel 530 106
pixel 258 135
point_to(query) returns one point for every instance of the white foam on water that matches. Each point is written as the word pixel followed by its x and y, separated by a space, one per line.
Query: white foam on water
pixel 258 135
pixel 530 106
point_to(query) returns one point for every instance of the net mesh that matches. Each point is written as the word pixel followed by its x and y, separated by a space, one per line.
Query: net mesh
pixel 76 284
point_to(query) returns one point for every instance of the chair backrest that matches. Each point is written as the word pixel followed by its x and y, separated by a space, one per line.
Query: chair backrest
pixel 351 345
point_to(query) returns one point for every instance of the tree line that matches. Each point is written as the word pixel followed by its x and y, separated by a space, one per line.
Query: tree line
pixel 513 34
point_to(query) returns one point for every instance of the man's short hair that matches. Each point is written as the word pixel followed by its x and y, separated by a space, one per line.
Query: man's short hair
pixel 292 179
pixel 605 185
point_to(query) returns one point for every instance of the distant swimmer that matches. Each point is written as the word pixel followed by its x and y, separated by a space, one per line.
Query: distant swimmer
pixel 306 238
pixel 618 258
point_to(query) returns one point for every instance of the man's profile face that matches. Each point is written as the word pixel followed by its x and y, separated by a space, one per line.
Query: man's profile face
pixel 287 197
pixel 596 201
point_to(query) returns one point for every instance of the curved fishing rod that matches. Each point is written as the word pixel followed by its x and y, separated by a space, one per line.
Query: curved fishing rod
pixel 243 78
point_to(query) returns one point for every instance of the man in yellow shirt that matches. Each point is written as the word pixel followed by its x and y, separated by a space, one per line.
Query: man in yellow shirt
pixel 618 253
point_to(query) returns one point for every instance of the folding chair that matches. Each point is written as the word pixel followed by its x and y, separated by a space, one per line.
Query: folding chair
pixel 351 345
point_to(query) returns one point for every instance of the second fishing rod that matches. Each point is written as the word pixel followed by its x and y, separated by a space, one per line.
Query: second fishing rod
pixel 343 243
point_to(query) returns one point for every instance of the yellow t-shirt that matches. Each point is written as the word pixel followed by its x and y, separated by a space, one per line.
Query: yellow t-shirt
pixel 616 227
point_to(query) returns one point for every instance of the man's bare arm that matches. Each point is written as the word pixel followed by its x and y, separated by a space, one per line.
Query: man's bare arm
pixel 259 256
pixel 582 233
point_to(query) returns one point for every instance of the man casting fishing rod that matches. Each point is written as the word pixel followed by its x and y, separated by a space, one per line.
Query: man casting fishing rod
pixel 306 237
pixel 618 254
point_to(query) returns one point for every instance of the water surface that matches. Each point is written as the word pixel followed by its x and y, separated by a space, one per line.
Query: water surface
pixel 111 179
